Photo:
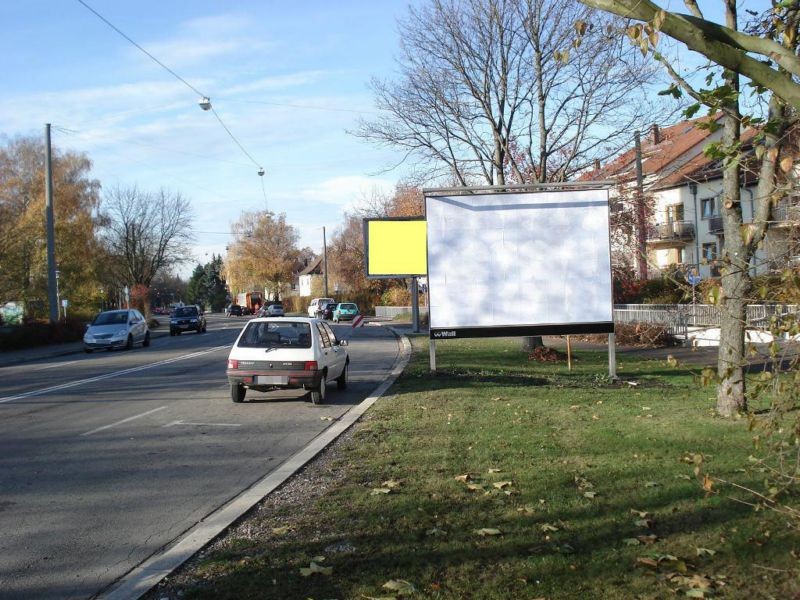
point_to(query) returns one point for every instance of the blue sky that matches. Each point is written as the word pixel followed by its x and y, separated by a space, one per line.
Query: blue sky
pixel 289 79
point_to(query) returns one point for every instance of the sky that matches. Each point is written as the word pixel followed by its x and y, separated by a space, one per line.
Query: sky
pixel 288 79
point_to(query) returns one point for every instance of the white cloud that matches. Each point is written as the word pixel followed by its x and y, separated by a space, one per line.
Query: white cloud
pixel 347 192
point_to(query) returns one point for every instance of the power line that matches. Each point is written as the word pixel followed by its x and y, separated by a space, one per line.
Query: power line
pixel 205 103
pixel 165 67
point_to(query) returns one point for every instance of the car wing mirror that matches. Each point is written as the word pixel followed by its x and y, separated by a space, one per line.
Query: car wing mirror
pixel 343 342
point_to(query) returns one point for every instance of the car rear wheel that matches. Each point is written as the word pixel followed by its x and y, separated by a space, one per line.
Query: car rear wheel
pixel 237 392
pixel 146 341
pixel 88 350
pixel 318 394
pixel 129 342
pixel 341 381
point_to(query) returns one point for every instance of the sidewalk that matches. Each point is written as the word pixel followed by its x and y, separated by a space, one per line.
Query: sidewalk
pixel 15 357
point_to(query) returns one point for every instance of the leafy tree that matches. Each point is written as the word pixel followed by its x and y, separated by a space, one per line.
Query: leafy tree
pixel 23 240
pixel 773 37
pixel 262 254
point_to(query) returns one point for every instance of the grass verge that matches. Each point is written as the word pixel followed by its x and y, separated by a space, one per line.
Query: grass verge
pixel 503 478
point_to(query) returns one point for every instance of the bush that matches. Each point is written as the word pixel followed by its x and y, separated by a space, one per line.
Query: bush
pixel 665 290
pixel 41 333
pixel 641 335
pixel 396 296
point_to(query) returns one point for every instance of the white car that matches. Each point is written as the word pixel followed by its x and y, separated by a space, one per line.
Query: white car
pixel 295 352
pixel 317 305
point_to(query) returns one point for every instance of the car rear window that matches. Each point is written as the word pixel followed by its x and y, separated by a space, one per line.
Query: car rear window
pixel 186 311
pixel 276 335
pixel 348 306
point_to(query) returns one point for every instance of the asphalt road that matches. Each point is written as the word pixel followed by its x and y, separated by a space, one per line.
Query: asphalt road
pixel 106 458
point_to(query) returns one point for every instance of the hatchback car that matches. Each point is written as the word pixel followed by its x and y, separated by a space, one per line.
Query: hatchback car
pixel 287 353
pixel 116 329
pixel 316 306
pixel 273 309
pixel 345 311
pixel 187 318
pixel 233 310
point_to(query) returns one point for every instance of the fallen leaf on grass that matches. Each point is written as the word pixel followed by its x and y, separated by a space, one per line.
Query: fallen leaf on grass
pixel 463 478
pixel 640 513
pixel 475 487
pixel 495 470
pixel 589 494
pixel 400 586
pixel 705 551
pixel 436 531
pixel 631 541
pixel 647 539
pixel 647 562
pixel 392 484
pixel 646 523
pixel 315 568
pixel 281 530
pixel 502 484
pixel 528 509
pixel 672 361
pixel 547 527
pixel 488 531
pixel 378 491
pixel 652 484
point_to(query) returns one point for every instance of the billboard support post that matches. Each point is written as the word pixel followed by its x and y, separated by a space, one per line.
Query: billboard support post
pixel 612 356
pixel 432 347
pixel 415 304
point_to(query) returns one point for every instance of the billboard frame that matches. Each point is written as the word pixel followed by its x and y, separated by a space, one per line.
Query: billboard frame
pixel 365 228
pixel 530 329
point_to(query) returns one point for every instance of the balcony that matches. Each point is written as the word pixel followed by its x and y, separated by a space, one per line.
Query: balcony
pixel 715 225
pixel 670 235
pixel 786 212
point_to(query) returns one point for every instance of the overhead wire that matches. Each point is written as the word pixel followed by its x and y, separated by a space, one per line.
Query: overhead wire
pixel 204 97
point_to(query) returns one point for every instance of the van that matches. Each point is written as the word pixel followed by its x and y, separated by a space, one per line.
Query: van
pixel 317 304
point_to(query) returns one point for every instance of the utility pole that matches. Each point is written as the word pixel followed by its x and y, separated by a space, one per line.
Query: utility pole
pixel 325 260
pixel 52 282
pixel 641 217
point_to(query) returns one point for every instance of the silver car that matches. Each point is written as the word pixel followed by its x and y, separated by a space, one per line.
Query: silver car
pixel 116 329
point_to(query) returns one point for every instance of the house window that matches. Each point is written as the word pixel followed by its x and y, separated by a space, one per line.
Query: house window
pixel 710 252
pixel 674 213
pixel 708 208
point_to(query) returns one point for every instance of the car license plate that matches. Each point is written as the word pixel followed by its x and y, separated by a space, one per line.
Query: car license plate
pixel 183 326
pixel 272 380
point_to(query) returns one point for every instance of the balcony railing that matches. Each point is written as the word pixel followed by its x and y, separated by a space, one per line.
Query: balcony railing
pixel 786 210
pixel 674 231
pixel 715 225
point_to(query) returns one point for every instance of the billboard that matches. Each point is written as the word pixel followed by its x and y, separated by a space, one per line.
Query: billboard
pixel 395 247
pixel 518 264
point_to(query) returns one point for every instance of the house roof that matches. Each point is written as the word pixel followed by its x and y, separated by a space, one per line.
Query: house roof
pixel 313 268
pixel 660 150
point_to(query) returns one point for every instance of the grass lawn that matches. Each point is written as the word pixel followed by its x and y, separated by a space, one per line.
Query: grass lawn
pixel 504 478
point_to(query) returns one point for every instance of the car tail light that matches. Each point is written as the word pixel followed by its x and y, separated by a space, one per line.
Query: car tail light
pixel 233 363
pixel 311 365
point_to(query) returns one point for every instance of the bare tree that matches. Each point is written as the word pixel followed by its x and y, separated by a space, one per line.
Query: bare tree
pixel 486 92
pixel 145 233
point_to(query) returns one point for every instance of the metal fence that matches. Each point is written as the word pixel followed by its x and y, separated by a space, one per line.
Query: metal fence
pixel 694 315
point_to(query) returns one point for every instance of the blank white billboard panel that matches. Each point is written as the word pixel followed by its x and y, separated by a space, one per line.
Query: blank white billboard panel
pixel 533 263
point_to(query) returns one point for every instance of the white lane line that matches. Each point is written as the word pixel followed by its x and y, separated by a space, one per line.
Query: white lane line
pixel 53 366
pixel 78 382
pixel 133 418
pixel 175 423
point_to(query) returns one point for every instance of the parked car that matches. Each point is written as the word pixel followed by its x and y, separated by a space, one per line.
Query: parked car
pixel 246 311
pixel 187 318
pixel 316 306
pixel 273 309
pixel 287 352
pixel 345 311
pixel 233 310
pixel 327 311
pixel 116 329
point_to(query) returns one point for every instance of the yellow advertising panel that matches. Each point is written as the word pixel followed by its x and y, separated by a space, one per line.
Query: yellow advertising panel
pixel 395 247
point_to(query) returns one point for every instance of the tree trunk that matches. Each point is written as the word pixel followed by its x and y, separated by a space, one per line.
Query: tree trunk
pixel 529 343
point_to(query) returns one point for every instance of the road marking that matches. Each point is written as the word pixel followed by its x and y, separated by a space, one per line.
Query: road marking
pixel 174 423
pixel 78 382
pixel 133 418
pixel 54 365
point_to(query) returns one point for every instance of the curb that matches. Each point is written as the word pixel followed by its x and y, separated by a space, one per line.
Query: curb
pixel 144 577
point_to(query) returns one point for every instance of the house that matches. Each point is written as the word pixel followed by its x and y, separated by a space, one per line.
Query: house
pixel 314 270
pixel 685 227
